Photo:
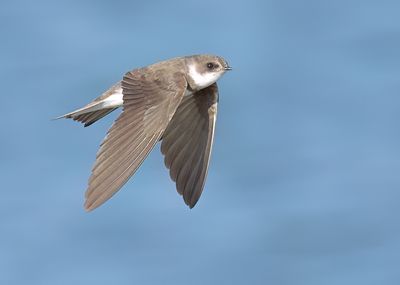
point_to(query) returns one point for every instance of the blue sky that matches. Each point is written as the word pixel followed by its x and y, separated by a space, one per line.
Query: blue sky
pixel 303 186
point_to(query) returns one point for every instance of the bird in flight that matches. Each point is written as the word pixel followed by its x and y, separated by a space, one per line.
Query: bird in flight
pixel 173 101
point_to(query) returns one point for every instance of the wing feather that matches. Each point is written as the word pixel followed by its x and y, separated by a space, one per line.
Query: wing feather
pixel 147 109
pixel 187 142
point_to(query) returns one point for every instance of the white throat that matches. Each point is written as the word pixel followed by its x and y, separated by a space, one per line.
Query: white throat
pixel 203 80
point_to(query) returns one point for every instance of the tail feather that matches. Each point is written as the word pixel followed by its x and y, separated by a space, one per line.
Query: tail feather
pixel 97 109
pixel 90 118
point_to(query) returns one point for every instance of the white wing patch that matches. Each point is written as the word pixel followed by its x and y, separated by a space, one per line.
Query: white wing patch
pixel 203 80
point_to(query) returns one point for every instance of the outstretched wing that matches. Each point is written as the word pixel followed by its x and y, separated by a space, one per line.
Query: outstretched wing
pixel 187 142
pixel 150 98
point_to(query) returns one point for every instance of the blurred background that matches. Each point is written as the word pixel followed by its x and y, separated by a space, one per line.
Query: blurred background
pixel 304 183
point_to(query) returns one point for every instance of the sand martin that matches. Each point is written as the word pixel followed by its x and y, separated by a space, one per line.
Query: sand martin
pixel 173 101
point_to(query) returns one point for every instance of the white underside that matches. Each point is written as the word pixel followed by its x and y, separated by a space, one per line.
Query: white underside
pixel 114 100
pixel 203 80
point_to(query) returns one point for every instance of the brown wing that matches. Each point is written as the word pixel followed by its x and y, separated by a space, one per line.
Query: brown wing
pixel 150 100
pixel 187 142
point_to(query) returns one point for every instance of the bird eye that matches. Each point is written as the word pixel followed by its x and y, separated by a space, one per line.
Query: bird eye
pixel 210 65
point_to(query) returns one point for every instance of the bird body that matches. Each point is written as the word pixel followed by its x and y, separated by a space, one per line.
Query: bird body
pixel 174 101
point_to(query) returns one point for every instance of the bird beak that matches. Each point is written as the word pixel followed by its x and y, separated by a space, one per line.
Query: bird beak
pixel 228 68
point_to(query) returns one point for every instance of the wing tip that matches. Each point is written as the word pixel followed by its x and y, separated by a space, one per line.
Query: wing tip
pixel 191 203
pixel 87 208
pixel 90 205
